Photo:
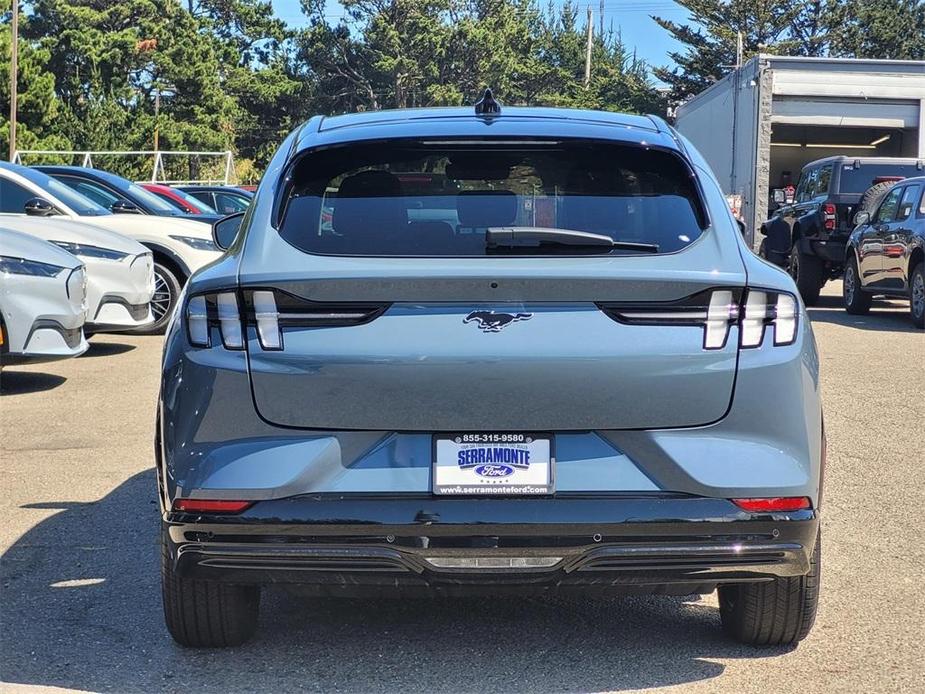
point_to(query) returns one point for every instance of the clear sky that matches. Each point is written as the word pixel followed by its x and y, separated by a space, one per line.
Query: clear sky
pixel 632 17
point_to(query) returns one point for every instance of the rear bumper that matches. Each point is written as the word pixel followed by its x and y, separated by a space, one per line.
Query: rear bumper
pixel 646 544
pixel 831 249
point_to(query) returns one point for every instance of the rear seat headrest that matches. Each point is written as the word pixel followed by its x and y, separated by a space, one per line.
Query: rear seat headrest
pixel 370 202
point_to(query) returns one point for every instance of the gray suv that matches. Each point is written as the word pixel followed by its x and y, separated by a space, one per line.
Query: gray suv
pixel 452 351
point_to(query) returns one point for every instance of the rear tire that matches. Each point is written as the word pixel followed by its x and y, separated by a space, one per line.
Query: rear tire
pixel 775 613
pixel 917 295
pixel 855 299
pixel 207 614
pixel 807 271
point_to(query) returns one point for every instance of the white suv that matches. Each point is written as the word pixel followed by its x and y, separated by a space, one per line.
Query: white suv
pixel 179 246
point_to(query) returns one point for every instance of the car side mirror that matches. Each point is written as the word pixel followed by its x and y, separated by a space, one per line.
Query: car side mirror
pixel 39 207
pixel 225 230
pixel 780 196
pixel 862 217
pixel 124 207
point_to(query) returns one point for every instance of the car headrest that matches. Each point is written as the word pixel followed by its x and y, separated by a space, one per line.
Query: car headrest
pixel 370 201
pixel 486 208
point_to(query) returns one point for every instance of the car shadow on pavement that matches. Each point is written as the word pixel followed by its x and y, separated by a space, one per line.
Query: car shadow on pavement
pixel 81 609
pixel 22 382
pixel 106 349
pixel 891 316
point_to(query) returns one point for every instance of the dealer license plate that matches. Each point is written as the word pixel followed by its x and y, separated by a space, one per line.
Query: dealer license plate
pixel 506 463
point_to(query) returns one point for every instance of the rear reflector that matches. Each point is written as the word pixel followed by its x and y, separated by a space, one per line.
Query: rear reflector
pixel 773 504
pixel 210 506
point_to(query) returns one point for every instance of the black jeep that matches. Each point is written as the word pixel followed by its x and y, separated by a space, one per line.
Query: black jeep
pixel 808 235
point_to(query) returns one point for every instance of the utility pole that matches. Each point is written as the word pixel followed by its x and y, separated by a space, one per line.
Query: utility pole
pixel 14 76
pixel 740 49
pixel 157 113
pixel 588 49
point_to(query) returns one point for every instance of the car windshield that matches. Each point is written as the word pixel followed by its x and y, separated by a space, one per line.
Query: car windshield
pixel 448 199
pixel 194 202
pixel 78 203
pixel 152 202
pixel 858 177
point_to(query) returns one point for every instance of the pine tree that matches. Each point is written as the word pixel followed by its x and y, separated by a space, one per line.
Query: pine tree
pixel 882 29
pixel 710 41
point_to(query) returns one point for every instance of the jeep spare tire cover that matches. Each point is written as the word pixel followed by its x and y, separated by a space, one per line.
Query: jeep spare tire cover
pixel 873 195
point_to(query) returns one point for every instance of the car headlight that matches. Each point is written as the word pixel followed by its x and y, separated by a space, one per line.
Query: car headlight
pixel 21 266
pixel 195 242
pixel 84 250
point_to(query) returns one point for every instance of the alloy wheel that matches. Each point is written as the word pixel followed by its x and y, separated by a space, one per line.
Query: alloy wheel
pixel 918 294
pixel 160 302
pixel 850 284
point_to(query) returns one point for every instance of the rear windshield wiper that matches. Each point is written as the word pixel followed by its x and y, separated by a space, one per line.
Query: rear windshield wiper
pixel 537 237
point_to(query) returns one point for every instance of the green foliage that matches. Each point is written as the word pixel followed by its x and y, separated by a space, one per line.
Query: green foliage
pixel 219 74
pixel 881 28
pixel 406 53
pixel 39 110
pixel 710 43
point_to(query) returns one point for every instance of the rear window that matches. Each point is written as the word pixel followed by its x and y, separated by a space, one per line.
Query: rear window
pixel 856 178
pixel 447 198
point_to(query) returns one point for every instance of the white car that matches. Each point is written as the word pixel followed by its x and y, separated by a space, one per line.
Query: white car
pixel 42 301
pixel 180 246
pixel 120 271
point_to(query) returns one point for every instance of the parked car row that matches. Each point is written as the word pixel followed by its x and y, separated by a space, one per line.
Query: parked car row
pixel 132 246
pixel 137 246
pixel 861 217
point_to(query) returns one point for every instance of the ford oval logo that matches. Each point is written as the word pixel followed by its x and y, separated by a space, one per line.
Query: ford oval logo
pixel 494 470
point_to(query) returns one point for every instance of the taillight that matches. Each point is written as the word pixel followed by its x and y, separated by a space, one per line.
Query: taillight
pixel 266 317
pixel 778 504
pixel 828 216
pixel 268 312
pixel 717 310
pixel 205 311
pixel 774 310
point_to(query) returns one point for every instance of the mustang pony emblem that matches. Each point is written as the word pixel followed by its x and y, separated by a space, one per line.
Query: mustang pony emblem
pixel 491 322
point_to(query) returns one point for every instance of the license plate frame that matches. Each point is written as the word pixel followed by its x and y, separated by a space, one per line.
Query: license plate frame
pixel 528 473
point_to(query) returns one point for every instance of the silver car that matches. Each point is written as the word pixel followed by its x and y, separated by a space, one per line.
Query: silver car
pixel 453 351
pixel 43 292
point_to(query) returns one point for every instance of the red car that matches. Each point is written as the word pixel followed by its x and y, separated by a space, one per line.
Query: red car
pixel 179 199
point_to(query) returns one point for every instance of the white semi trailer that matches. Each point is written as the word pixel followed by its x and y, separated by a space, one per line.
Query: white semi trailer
pixel 759 125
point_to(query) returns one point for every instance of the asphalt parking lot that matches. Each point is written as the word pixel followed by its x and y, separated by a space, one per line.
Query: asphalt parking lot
pixel 81 605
